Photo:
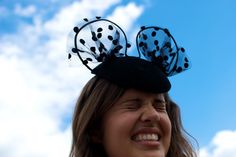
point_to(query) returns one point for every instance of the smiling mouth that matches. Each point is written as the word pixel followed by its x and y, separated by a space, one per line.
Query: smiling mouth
pixel 146 137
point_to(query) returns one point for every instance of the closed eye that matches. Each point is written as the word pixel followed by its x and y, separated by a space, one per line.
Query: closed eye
pixel 132 104
pixel 160 105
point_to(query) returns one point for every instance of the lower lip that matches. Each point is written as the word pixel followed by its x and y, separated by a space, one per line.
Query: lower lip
pixel 148 144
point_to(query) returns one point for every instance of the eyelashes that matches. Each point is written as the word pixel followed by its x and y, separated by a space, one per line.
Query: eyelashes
pixel 133 106
pixel 160 106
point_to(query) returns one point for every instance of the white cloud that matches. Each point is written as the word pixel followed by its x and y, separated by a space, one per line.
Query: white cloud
pixel 28 11
pixel 125 15
pixel 222 145
pixel 38 88
pixel 64 20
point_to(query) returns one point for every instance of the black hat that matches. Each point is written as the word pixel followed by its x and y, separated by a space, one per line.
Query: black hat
pixel 157 55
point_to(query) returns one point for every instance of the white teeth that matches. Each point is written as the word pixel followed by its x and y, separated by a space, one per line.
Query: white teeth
pixel 146 137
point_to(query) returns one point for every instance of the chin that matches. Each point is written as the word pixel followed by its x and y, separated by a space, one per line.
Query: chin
pixel 151 154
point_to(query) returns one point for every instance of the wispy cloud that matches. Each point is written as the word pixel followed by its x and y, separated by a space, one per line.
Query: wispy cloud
pixel 27 11
pixel 38 88
pixel 222 145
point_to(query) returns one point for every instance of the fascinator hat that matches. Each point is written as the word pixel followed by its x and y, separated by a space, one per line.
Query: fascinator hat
pixel 104 42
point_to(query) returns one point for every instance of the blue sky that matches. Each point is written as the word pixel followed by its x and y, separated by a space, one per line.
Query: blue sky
pixel 32 50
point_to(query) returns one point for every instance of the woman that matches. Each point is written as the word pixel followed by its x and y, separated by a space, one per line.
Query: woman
pixel 125 110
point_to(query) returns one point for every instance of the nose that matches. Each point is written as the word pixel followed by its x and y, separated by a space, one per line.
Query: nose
pixel 149 114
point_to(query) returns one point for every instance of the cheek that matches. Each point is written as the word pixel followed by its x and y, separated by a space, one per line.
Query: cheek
pixel 167 124
pixel 167 129
pixel 116 132
pixel 118 124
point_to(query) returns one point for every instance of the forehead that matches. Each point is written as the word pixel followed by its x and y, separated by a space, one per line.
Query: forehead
pixel 132 93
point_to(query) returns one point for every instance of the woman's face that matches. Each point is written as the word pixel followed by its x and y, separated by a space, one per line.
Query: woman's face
pixel 137 126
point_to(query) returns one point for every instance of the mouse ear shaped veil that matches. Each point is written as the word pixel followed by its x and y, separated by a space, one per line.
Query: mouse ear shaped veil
pixel 104 42
pixel 159 46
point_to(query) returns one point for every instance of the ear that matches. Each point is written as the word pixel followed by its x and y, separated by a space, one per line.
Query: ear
pixel 96 136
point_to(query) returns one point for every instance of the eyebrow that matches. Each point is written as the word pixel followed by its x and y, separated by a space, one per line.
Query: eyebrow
pixel 159 100
pixel 156 100
pixel 131 99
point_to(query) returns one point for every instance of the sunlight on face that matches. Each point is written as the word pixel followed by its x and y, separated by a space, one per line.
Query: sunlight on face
pixel 137 126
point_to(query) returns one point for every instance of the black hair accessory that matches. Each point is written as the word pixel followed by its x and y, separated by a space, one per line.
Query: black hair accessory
pixel 158 55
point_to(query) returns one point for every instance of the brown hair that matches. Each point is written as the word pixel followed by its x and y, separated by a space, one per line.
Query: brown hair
pixel 180 145
pixel 96 98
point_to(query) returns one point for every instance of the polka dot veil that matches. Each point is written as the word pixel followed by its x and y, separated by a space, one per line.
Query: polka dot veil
pixel 158 45
pixel 100 40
